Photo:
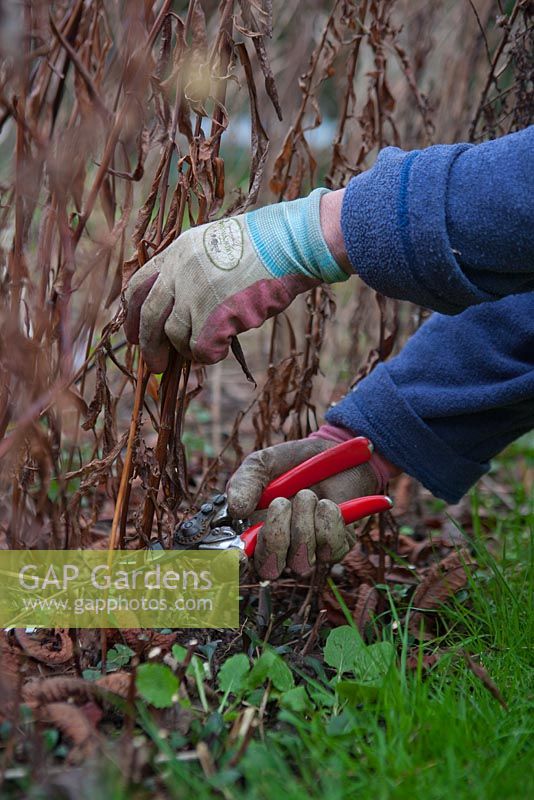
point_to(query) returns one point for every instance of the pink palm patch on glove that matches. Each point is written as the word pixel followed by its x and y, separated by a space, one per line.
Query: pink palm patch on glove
pixel 240 312
pixel 246 310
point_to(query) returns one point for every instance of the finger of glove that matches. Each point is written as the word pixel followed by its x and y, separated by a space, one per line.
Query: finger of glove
pixel 257 470
pixel 217 349
pixel 273 540
pixel 154 312
pixel 332 543
pixel 136 293
pixel 355 482
pixel 301 553
pixel 178 330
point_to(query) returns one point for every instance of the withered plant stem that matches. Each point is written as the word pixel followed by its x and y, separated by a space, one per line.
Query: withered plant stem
pixel 121 506
pixel 169 395
pixel 491 74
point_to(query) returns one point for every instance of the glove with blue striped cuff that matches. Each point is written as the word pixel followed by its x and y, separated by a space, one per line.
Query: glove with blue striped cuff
pixel 223 278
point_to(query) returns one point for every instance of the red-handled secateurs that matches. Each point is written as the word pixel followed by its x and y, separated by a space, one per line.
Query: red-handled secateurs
pixel 212 527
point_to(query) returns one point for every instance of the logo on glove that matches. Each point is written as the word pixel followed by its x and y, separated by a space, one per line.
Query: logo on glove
pixel 223 243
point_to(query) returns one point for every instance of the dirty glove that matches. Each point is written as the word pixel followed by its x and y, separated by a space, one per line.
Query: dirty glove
pixel 309 528
pixel 225 277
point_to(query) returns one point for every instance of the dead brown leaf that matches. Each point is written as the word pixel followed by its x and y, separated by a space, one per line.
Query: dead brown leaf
pixel 366 604
pixel 442 581
pixel 428 660
pixel 142 640
pixel 55 690
pixel 75 725
pixel 63 688
pixel 117 683
pixel 358 567
pixel 9 677
pixel 52 648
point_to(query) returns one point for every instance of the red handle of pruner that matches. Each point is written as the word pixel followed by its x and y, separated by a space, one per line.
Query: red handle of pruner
pixel 336 459
pixel 351 510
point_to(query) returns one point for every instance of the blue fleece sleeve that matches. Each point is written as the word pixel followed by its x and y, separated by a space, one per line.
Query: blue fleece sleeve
pixel 446 227
pixel 459 392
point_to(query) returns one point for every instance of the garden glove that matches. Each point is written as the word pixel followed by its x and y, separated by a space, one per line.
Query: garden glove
pixel 309 528
pixel 222 278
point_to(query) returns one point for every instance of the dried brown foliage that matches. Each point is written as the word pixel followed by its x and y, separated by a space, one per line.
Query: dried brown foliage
pixel 114 123
pixel 423 576
pixel 89 98
pixel 59 689
pixel 142 641
pixel 366 605
pixel 9 678
pixel 442 581
pixel 50 648
pixel 76 725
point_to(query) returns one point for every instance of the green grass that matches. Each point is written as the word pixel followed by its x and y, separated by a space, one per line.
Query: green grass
pixel 442 737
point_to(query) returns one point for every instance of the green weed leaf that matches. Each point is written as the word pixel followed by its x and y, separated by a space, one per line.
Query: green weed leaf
pixel 196 665
pixel 341 724
pixel 179 652
pixel 270 665
pixel 118 657
pixel 296 700
pixel 156 684
pixel 91 674
pixel 233 674
pixel 372 664
pixel 356 693
pixel 342 648
pixel 370 667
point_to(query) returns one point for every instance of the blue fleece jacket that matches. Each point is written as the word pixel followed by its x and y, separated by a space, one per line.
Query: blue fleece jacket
pixel 451 228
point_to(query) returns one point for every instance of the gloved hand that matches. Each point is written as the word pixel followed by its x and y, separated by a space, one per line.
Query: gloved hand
pixel 225 277
pixel 309 528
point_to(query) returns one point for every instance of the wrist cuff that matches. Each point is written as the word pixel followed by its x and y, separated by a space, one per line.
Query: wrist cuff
pixel 288 240
pixel 383 469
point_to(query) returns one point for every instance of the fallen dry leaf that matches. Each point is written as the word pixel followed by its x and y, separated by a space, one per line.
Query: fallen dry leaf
pixel 93 712
pixel 334 613
pixel 404 493
pixel 63 688
pixel 442 581
pixel 358 565
pixel 116 682
pixel 428 660
pixel 366 604
pixel 49 647
pixel 55 690
pixel 75 726
pixel 142 640
pixel 9 678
